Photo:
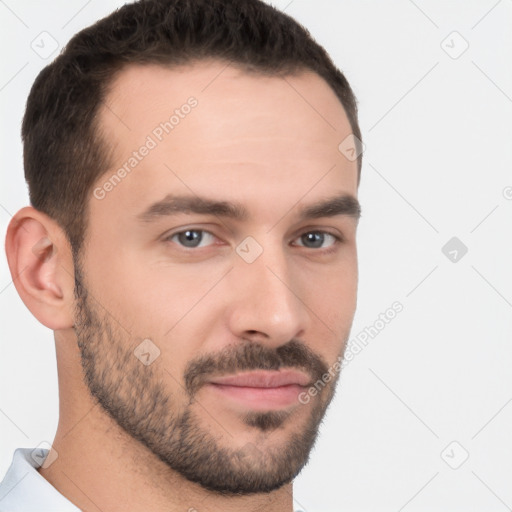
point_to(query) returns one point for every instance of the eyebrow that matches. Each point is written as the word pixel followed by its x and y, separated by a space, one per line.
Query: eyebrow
pixel 344 204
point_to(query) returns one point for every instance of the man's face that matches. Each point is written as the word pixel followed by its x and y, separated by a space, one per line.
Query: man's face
pixel 199 329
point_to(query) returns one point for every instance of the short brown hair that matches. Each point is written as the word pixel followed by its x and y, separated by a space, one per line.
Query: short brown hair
pixel 64 153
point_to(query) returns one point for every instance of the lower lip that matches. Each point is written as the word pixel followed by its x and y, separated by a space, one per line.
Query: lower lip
pixel 261 398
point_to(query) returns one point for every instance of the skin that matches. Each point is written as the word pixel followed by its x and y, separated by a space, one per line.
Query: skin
pixel 251 139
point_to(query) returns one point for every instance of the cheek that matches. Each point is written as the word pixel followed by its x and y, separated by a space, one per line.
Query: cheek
pixel 332 306
pixel 139 288
pixel 333 286
pixel 172 305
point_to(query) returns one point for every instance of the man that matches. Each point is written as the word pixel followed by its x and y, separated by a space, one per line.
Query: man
pixel 193 168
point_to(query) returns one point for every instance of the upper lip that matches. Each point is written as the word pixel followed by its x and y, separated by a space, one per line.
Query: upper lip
pixel 264 379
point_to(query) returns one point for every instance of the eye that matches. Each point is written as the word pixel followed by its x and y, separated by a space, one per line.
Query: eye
pixel 317 239
pixel 192 238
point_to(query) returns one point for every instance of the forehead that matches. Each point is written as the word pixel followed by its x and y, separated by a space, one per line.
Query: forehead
pixel 220 83
pixel 212 127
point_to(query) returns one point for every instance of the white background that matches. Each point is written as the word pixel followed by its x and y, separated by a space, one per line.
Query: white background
pixel 437 164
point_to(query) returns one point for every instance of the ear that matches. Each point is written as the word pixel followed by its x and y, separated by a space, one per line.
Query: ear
pixel 41 265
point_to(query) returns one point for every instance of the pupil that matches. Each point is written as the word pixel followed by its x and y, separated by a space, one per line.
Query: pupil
pixel 190 238
pixel 314 239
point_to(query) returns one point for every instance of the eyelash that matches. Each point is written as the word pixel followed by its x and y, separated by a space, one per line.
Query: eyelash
pixel 337 239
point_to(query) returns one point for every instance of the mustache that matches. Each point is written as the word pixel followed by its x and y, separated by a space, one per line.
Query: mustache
pixel 253 356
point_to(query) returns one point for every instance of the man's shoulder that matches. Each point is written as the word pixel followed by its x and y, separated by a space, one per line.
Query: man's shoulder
pixel 23 489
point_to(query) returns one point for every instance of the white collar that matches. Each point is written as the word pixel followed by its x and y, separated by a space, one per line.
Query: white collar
pixel 23 489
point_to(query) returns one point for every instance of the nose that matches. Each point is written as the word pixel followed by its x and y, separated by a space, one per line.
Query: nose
pixel 265 300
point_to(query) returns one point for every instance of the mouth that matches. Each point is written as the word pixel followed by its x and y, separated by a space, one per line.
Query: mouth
pixel 261 390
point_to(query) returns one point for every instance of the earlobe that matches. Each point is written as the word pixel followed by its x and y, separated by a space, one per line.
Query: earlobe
pixel 41 267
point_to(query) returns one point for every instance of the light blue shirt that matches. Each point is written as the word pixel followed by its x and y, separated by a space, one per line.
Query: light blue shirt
pixel 23 489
